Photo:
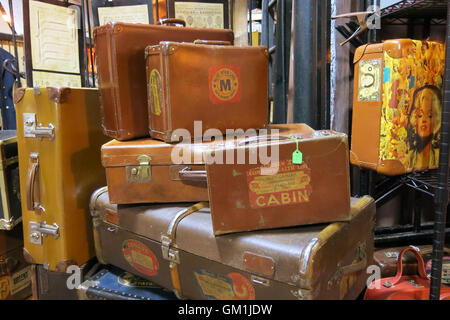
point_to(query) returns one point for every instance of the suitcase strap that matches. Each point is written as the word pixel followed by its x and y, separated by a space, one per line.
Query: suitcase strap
pixel 167 241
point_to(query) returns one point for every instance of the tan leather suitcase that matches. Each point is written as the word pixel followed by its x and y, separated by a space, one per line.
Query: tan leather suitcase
pixel 59 140
pixel 180 252
pixel 397 106
pixel 120 62
pixel 143 171
pixel 15 272
pixel 220 87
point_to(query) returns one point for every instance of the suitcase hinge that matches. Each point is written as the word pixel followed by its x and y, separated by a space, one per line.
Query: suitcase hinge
pixel 39 230
pixel 31 129
pixel 169 253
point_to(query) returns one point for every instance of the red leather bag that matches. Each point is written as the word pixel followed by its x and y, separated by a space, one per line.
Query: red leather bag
pixel 411 287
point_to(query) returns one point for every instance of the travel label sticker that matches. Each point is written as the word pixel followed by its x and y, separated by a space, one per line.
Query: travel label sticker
pixel 224 84
pixel 291 185
pixel 233 286
pixel 155 92
pixel 140 257
pixel 5 287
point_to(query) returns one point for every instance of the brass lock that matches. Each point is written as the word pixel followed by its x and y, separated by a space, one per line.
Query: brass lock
pixel 141 173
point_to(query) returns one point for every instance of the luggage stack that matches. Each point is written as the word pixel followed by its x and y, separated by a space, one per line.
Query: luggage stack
pixel 206 199
pixel 15 272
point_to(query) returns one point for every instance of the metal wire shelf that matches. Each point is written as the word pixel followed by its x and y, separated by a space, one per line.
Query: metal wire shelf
pixel 416 9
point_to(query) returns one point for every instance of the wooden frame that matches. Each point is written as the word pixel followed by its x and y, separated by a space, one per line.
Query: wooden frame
pixel 27 41
pixel 226 9
pixel 120 3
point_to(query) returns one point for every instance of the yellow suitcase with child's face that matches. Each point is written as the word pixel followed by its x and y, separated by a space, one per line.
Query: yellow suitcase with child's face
pixel 59 140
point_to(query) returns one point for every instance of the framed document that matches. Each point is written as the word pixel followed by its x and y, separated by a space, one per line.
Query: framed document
pixel 213 14
pixel 53 42
pixel 131 11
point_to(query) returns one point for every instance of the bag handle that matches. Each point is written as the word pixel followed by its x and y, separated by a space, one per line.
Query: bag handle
pixel 264 138
pixel 420 265
pixel 213 42
pixel 186 174
pixel 32 203
pixel 172 21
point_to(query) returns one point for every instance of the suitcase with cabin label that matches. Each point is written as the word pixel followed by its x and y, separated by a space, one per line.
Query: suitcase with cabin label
pixel 180 252
pixel 120 60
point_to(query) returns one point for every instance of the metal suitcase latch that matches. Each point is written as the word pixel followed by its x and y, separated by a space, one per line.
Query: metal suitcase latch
pixel 39 230
pixel 142 172
pixel 32 129
pixel 169 253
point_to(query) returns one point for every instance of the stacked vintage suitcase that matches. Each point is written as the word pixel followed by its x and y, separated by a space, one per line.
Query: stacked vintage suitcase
pixel 206 210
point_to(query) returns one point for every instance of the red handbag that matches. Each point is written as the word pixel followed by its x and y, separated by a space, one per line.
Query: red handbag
pixel 416 287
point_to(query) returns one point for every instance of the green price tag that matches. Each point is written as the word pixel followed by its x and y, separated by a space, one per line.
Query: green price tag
pixel 297 156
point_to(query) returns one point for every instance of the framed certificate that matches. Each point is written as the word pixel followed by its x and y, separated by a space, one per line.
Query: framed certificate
pixel 213 14
pixel 131 11
pixel 53 42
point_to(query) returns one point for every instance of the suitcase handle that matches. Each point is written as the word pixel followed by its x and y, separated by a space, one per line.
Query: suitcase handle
pixel 263 139
pixel 420 265
pixel 187 174
pixel 31 182
pixel 213 42
pixel 172 21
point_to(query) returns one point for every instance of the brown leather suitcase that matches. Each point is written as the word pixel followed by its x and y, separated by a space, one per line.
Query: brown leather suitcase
pixel 57 285
pixel 387 259
pixel 180 252
pixel 397 106
pixel 220 87
pixel 313 188
pixel 142 171
pixel 120 61
pixel 15 272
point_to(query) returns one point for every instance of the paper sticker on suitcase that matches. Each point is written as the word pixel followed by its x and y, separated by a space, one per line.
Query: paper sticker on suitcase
pixel 220 86
pixel 397 106
pixel 325 261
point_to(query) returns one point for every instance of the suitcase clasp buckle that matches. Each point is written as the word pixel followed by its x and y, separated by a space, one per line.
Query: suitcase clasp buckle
pixel 39 230
pixel 31 129
pixel 169 253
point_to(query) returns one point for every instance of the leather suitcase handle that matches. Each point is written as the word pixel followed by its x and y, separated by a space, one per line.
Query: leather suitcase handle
pixel 213 42
pixel 172 21
pixel 267 138
pixel 31 182
pixel 188 175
